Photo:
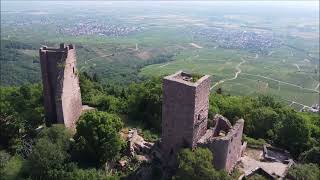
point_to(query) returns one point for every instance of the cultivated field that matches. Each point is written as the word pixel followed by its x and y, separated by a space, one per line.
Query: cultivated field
pixel 246 53
pixel 292 77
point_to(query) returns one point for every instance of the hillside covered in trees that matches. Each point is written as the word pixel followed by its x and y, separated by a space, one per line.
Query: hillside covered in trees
pixel 34 149
pixel 20 64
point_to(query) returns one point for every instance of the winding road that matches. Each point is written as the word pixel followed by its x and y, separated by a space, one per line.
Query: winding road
pixel 164 65
pixel 235 76
pixel 297 66
pixel 272 79
pixel 294 102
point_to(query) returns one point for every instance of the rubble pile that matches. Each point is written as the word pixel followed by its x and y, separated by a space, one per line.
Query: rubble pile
pixel 137 145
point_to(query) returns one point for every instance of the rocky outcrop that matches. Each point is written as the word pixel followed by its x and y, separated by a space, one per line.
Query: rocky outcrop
pixel 137 145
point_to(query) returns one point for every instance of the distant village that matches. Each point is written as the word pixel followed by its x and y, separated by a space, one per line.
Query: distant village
pixel 96 28
pixel 257 41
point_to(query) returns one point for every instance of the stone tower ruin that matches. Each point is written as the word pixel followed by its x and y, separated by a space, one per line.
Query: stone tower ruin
pixel 62 97
pixel 184 122
pixel 184 111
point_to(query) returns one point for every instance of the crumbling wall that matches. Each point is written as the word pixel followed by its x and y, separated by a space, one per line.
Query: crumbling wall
pixel 235 144
pixel 226 149
pixel 219 148
pixel 221 124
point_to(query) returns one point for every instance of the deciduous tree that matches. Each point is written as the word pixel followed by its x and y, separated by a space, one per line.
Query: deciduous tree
pixel 197 165
pixel 97 138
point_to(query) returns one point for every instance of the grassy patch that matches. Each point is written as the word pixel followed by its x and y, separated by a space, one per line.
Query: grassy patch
pixel 196 77
pixel 254 143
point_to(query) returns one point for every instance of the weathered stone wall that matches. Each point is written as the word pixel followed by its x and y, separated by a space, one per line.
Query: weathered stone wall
pixel 184 112
pixel 235 144
pixel 62 96
pixel 219 148
pixel 49 69
pixel 226 149
pixel 177 116
pixel 221 124
pixel 71 95
pixel 201 108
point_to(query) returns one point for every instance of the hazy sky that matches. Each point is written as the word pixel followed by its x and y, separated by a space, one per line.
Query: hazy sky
pixel 286 5
pixel 305 3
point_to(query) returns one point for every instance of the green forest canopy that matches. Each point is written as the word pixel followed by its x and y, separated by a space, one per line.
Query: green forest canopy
pixel 22 112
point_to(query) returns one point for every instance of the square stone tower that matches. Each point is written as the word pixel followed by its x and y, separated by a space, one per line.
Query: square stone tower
pixel 62 97
pixel 184 111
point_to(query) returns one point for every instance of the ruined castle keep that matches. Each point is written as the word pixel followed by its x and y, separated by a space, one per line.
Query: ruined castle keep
pixel 184 111
pixel 62 97
pixel 184 122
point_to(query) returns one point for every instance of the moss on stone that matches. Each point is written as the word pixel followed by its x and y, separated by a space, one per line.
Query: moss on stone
pixel 196 77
